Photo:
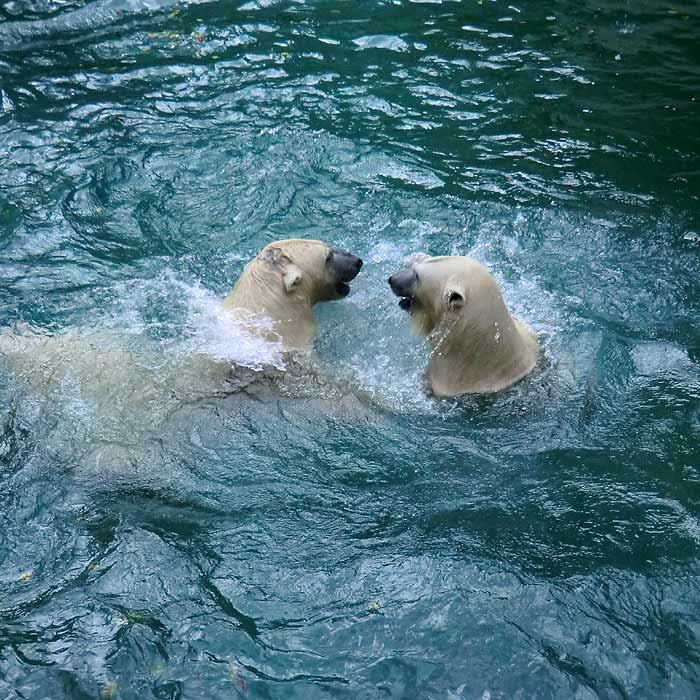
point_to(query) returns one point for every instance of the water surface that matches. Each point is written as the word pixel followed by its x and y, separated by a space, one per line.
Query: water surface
pixel 161 536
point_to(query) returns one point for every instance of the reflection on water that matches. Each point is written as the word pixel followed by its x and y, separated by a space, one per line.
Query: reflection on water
pixel 171 528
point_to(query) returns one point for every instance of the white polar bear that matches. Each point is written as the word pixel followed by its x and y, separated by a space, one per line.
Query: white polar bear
pixel 122 379
pixel 272 299
pixel 114 396
pixel 477 346
pixel 276 290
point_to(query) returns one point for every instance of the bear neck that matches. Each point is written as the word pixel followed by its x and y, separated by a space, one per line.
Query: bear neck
pixel 268 311
pixel 481 356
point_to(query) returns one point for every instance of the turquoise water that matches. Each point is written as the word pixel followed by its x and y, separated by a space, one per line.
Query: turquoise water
pixel 348 536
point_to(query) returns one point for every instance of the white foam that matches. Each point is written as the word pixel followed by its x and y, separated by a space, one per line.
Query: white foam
pixel 213 331
pixel 192 320
pixel 655 358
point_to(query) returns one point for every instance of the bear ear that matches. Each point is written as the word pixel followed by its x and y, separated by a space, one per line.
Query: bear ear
pixel 454 298
pixel 291 277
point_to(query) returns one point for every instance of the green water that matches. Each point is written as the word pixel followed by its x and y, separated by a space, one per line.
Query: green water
pixel 161 537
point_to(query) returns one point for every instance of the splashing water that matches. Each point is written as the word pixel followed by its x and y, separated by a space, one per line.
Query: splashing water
pixel 172 529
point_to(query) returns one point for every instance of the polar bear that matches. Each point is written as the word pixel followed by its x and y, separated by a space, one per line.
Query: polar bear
pixel 276 290
pixel 271 300
pixel 109 392
pixel 477 346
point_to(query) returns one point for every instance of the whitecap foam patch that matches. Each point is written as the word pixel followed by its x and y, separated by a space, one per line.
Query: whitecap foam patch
pixel 393 382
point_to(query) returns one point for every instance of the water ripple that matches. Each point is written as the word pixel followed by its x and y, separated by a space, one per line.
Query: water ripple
pixel 167 530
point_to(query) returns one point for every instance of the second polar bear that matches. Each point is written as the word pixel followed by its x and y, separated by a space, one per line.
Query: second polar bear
pixel 276 290
pixel 477 346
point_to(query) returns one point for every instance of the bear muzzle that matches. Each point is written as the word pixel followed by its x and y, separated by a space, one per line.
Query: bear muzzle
pixel 346 267
pixel 404 284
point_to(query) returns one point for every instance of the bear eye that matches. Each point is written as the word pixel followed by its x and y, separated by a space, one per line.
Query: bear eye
pixel 329 257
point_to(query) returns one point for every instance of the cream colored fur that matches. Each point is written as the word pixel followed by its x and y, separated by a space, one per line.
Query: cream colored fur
pixel 276 290
pixel 477 346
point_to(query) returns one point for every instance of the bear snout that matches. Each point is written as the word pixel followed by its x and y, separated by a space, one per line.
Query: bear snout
pixel 403 283
pixel 346 265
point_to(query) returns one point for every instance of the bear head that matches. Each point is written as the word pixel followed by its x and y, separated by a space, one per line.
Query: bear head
pixel 448 289
pixel 310 269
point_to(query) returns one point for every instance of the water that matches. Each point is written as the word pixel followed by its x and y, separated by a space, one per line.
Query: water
pixel 347 536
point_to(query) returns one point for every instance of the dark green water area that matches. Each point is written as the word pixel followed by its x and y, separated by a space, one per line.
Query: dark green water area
pixel 350 536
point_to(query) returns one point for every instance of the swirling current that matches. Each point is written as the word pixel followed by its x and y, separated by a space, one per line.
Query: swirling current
pixel 347 536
